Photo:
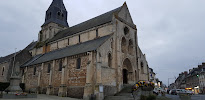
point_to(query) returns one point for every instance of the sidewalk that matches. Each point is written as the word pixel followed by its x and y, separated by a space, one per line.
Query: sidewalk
pixel 45 97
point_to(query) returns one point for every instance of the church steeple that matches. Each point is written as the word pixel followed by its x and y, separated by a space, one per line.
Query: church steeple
pixel 56 13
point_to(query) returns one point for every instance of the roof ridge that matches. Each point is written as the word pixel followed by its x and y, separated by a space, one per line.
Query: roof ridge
pixel 88 24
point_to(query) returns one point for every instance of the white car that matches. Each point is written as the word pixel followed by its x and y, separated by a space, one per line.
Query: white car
pixel 189 92
pixel 178 91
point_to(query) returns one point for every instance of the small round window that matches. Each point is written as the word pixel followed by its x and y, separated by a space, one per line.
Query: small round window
pixel 126 30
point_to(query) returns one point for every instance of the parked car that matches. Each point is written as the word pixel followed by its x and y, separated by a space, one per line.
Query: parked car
pixel 173 92
pixel 189 92
pixel 178 91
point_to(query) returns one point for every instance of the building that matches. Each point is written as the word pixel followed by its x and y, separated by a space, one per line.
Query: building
pixel 180 82
pixel 96 57
pixel 15 59
pixel 202 79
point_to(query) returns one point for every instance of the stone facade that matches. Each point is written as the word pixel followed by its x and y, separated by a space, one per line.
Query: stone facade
pixel 4 69
pixel 102 71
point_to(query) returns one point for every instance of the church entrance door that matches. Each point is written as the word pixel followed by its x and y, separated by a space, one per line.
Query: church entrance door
pixel 125 81
pixel 127 72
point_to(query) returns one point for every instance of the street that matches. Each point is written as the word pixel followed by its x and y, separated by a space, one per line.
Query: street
pixel 193 97
pixel 45 97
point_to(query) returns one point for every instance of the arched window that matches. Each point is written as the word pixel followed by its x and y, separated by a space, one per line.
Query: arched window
pixel 142 67
pixel 78 63
pixel 130 47
pixel 2 72
pixel 58 15
pixel 41 36
pixel 126 30
pixel 34 71
pixel 109 60
pixel 60 65
pixel 123 44
pixel 49 68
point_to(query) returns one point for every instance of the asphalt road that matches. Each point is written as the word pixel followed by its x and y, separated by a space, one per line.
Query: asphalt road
pixel 193 97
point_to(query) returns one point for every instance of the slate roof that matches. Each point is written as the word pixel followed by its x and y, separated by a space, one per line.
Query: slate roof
pixel 31 45
pixel 69 51
pixel 31 60
pixel 94 22
pixel 51 13
pixel 6 58
pixel 58 4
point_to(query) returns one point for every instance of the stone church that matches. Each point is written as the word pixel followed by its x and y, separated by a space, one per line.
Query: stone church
pixel 96 57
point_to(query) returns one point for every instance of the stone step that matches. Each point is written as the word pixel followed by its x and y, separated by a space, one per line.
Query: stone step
pixel 127 89
pixel 118 98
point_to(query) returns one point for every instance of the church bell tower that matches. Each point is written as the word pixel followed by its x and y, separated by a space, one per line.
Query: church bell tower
pixel 55 20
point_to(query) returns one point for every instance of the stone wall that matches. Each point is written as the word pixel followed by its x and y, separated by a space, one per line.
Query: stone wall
pixel 74 79
pixel 3 74
pixel 31 79
pixel 75 92
pixel 109 90
pixel 143 69
pixel 73 76
pixel 108 76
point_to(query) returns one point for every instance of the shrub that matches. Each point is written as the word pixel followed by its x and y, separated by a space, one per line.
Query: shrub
pixel 3 86
pixel 22 85
pixel 143 97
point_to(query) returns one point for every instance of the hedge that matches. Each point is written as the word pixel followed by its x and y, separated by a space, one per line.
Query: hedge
pixel 3 86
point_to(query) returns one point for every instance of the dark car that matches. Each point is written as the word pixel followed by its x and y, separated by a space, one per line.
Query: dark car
pixel 174 92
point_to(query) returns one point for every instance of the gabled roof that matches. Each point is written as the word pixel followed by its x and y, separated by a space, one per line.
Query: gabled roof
pixel 94 22
pixel 69 51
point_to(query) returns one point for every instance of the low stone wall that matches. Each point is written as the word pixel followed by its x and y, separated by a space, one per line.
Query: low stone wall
pixel 109 90
pixel 75 92
pixel 142 91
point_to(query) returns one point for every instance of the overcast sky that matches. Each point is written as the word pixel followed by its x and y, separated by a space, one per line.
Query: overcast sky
pixel 171 32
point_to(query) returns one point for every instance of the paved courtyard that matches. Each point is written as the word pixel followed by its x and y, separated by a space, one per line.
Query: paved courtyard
pixel 45 97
